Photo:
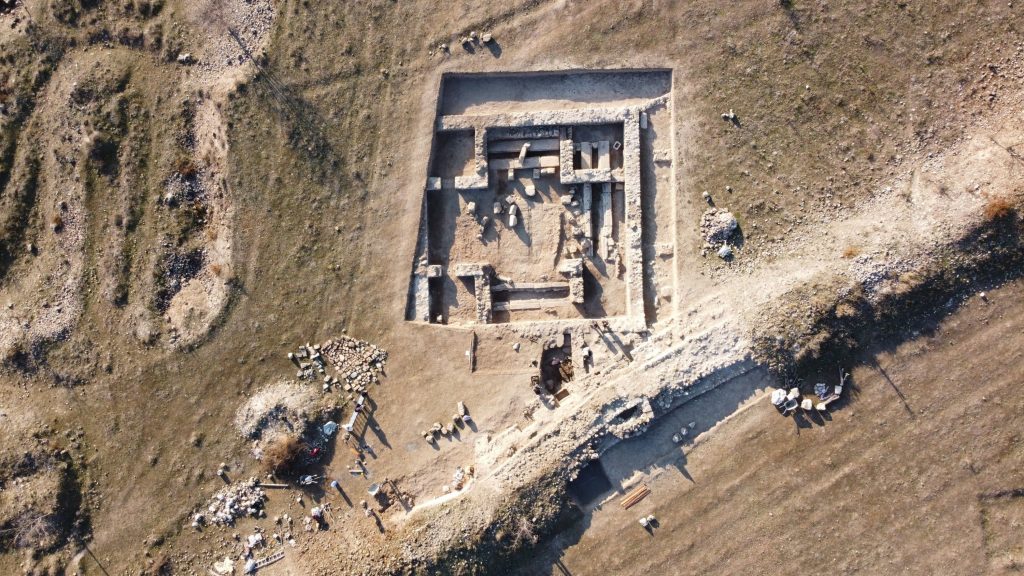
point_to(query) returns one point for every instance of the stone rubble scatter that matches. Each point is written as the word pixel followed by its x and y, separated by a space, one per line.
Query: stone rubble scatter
pixel 236 501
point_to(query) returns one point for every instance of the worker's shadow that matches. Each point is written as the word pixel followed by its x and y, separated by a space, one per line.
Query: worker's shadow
pixel 819 418
pixel 344 496
pixel 679 463
pixel 314 491
pixel 801 421
pixel 377 431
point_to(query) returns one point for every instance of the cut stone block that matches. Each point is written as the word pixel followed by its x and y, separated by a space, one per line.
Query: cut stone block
pixel 604 158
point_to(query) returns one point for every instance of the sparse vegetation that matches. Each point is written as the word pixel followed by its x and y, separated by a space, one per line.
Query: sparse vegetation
pixel 281 453
pixel 998 207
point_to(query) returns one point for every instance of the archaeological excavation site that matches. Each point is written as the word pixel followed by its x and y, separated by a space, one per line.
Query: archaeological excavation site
pixel 543 197
pixel 531 288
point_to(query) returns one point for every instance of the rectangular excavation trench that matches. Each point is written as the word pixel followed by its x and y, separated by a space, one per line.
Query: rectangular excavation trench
pixel 535 197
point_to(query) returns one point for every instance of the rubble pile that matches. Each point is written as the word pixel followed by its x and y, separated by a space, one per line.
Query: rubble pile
pixel 717 226
pixel 235 501
pixel 359 363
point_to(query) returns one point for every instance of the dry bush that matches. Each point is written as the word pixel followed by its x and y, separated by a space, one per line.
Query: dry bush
pixel 211 233
pixel 998 207
pixel 187 168
pixel 907 283
pixel 846 310
pixel 216 269
pixel 280 453
pixel 35 529
pixel 57 222
pixel 525 533
pixel 851 252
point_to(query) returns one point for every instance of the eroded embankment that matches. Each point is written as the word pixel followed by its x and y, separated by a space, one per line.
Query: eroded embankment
pixel 794 345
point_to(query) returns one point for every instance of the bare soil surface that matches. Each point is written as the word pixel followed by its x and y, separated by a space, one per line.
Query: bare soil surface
pixel 918 473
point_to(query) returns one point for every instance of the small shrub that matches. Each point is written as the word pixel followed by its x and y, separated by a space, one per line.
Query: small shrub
pixel 851 252
pixel 997 207
pixel 281 453
pixel 57 222
pixel 187 168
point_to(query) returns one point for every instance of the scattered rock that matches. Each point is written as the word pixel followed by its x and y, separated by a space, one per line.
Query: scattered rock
pixel 234 501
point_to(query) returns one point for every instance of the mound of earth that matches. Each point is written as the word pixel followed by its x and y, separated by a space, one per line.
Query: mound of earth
pixel 282 408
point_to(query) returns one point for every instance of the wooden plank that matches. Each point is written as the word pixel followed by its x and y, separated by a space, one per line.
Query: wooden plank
pixel 635 496
pixel 535 304
pixel 472 352
pixel 538 304
pixel 605 226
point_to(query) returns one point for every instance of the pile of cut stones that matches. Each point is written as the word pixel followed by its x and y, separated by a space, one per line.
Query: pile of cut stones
pixel 309 360
pixel 358 363
pixel 235 501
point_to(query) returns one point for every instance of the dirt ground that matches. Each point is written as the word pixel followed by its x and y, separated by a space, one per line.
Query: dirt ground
pixel 918 473
pixel 310 132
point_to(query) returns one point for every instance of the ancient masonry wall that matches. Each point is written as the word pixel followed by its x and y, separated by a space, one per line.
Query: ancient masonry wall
pixel 524 119
pixel 632 235
pixel 420 285
pixel 482 289
pixel 539 124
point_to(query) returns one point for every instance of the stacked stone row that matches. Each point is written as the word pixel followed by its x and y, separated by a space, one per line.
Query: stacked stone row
pixel 358 363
